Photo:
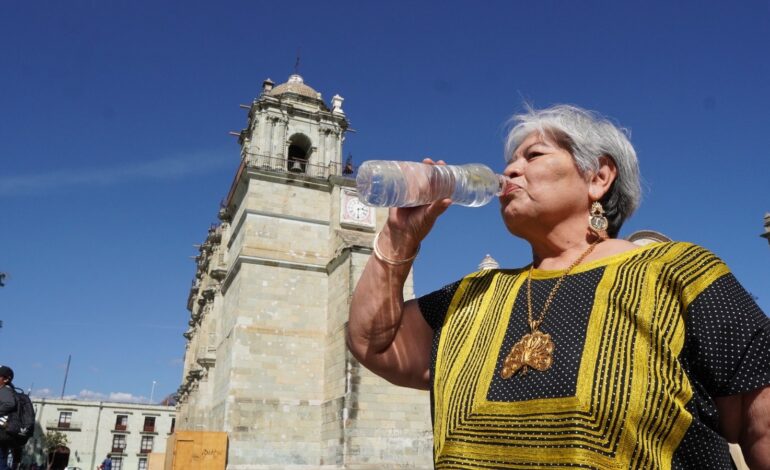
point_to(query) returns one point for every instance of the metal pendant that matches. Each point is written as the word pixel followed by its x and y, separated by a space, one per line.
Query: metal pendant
pixel 533 350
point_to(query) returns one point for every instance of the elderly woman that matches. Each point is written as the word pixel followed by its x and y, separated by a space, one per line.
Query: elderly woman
pixel 600 354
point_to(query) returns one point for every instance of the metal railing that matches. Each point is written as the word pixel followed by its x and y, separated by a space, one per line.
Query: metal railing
pixel 295 166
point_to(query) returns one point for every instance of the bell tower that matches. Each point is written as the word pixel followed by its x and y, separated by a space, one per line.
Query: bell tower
pixel 290 123
pixel 266 359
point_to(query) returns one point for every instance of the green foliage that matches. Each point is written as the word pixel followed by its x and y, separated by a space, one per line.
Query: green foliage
pixel 54 439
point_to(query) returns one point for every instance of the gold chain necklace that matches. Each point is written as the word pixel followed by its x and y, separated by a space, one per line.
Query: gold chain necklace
pixel 535 348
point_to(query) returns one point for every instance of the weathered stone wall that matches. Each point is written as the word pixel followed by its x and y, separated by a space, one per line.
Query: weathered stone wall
pixel 389 426
pixel 336 380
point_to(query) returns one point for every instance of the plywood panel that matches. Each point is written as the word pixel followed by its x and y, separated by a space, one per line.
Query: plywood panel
pixel 197 450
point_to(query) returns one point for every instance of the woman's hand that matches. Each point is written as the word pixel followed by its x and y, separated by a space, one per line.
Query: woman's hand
pixel 406 227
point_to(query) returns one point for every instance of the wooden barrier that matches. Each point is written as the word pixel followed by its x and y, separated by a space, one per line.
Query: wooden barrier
pixel 196 450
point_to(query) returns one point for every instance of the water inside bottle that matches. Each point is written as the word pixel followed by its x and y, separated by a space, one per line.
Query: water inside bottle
pixel 407 184
pixel 476 185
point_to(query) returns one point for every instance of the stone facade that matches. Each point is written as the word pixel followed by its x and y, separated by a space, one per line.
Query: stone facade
pixel 266 359
pixel 128 432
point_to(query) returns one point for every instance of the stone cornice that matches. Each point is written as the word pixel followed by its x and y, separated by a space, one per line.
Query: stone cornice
pixel 276 215
pixel 327 268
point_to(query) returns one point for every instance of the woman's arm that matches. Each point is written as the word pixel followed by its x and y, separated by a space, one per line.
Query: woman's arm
pixel 745 419
pixel 388 336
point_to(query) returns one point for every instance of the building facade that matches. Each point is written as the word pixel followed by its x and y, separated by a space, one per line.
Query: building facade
pixel 266 359
pixel 128 432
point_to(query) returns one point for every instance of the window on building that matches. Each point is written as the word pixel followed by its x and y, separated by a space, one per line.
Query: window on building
pixel 118 443
pixel 146 446
pixel 117 463
pixel 149 424
pixel 142 464
pixel 173 424
pixel 65 419
pixel 121 422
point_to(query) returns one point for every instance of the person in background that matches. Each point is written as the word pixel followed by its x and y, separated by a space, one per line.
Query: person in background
pixel 106 463
pixel 8 445
pixel 599 354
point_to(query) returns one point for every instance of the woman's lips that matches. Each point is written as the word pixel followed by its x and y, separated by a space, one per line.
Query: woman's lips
pixel 510 188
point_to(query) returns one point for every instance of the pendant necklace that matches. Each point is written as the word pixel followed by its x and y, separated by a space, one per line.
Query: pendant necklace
pixel 535 349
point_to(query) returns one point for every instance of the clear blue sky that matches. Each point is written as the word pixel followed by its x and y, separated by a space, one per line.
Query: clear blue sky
pixel 115 153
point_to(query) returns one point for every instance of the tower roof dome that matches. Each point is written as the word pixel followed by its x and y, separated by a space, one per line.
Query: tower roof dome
pixel 488 263
pixel 296 85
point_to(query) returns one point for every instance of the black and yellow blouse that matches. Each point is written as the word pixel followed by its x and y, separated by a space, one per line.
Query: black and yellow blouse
pixel 643 342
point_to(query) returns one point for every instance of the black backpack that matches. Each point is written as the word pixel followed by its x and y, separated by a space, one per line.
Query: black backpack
pixel 21 422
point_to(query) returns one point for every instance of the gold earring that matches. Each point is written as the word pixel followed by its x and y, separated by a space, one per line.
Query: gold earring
pixel 597 220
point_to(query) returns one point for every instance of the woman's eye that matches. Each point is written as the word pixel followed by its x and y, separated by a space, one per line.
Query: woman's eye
pixel 532 155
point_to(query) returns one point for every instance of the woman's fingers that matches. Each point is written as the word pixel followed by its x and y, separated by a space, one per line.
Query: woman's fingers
pixel 430 161
pixel 437 208
pixel 414 223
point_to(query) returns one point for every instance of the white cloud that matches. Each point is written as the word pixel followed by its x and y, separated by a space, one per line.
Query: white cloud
pixel 48 393
pixel 127 397
pixel 91 395
pixel 42 393
pixel 164 168
pixel 122 397
pixel 86 394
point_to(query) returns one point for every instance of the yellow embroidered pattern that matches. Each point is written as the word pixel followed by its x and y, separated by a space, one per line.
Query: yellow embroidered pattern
pixel 628 410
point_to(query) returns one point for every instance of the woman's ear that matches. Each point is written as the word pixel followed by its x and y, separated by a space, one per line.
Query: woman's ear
pixel 602 179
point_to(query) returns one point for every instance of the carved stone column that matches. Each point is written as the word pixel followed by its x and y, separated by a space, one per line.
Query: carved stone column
pixel 284 151
pixel 273 136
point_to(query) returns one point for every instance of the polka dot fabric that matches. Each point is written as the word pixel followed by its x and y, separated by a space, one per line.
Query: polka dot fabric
pixel 727 352
pixel 566 323
pixel 649 297
pixel 434 305
pixel 728 340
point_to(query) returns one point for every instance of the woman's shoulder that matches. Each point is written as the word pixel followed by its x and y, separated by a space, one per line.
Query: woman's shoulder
pixel 683 261
pixel 680 254
pixel 613 246
pixel 680 249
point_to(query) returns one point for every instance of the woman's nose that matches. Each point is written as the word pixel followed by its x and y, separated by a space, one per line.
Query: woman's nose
pixel 514 168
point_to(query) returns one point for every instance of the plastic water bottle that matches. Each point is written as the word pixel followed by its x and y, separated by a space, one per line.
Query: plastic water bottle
pixel 386 183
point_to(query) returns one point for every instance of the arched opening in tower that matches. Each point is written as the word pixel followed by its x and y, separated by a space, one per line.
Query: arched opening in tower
pixel 298 153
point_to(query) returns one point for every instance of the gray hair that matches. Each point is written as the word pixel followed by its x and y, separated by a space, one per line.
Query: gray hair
pixel 587 136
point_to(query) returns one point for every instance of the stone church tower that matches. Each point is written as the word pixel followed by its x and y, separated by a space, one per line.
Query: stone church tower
pixel 265 358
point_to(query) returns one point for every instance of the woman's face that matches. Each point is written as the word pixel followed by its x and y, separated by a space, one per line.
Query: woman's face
pixel 545 187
